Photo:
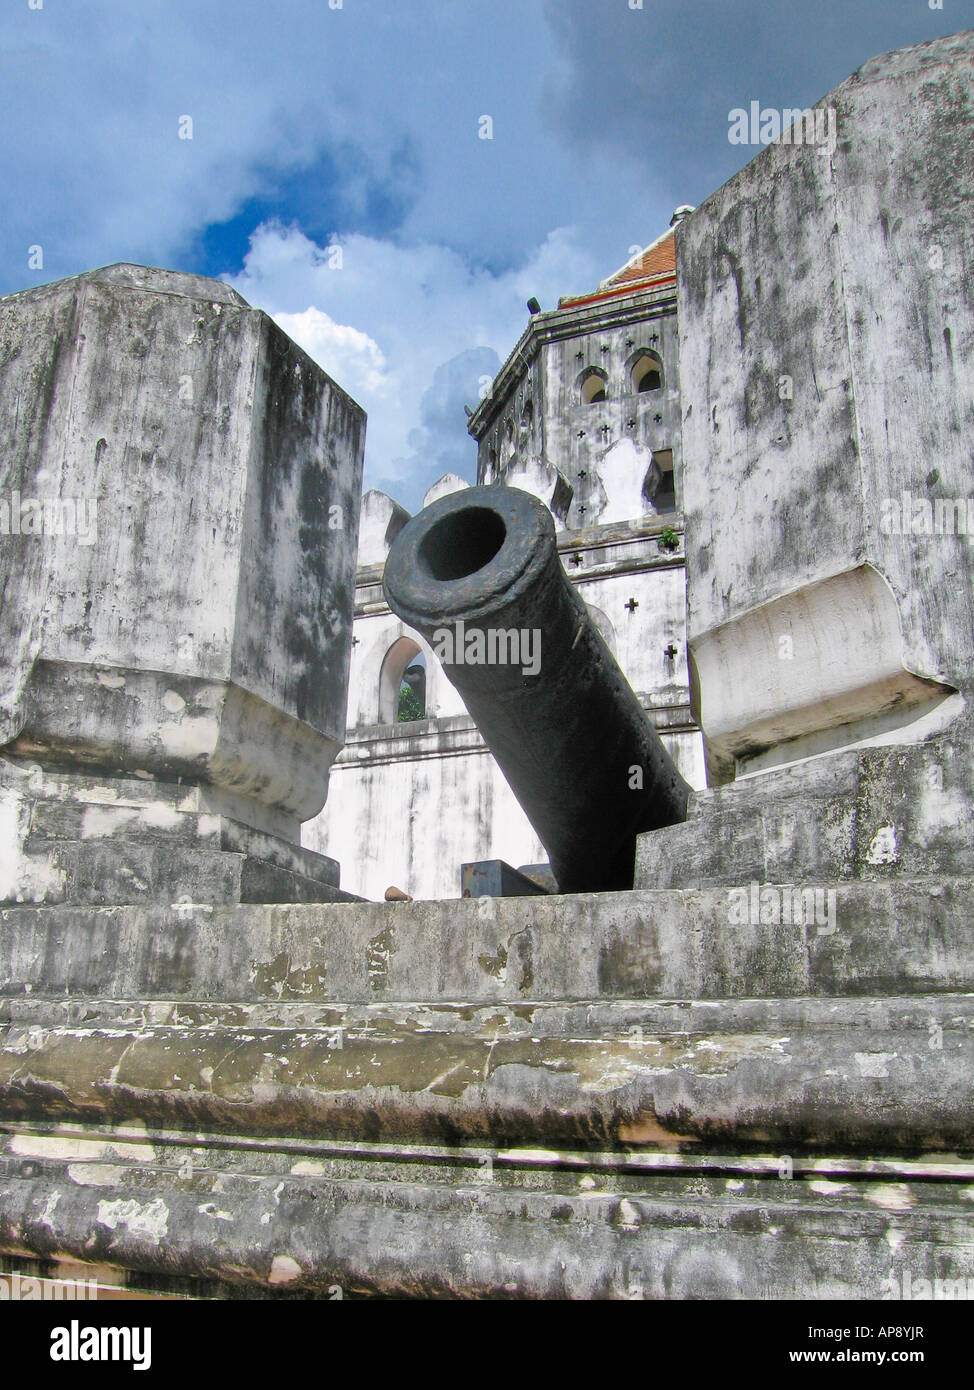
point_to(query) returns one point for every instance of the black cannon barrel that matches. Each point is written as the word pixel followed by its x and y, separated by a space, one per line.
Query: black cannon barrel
pixel 477 573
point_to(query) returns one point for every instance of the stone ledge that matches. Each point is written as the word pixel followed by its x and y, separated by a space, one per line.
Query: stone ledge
pixel 290 1227
pixel 95 873
pixel 801 1075
pixel 900 937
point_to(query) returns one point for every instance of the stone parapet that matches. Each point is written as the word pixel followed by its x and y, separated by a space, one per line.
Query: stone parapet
pixel 197 629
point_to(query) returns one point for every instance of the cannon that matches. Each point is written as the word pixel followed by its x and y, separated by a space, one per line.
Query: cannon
pixel 477 573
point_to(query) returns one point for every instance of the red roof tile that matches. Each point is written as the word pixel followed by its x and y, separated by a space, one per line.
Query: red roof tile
pixel 655 266
pixel 658 259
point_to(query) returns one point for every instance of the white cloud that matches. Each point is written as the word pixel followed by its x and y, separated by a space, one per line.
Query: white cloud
pixel 407 331
pixel 363 119
pixel 378 103
pixel 338 348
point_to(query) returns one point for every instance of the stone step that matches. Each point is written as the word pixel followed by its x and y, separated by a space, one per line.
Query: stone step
pixel 726 849
pixel 901 937
pixel 869 813
pixel 89 840
pixel 160 823
pixel 93 788
pixel 112 871
pixel 174 1214
pixel 799 1075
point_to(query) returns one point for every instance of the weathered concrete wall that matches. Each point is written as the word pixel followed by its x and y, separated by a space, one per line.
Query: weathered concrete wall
pixel 786 1073
pixel 648 641
pixel 203 631
pixel 450 482
pixel 904 938
pixel 827 364
pixel 74 838
pixel 531 473
pixel 412 802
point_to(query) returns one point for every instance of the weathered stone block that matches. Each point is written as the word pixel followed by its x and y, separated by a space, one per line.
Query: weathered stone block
pixel 201 629
pixel 868 813
pixel 380 523
pixel 827 369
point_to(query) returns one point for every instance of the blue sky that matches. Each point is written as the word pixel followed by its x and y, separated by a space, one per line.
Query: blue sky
pixel 359 126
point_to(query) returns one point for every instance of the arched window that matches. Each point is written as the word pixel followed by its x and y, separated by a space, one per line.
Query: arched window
pixel 402 683
pixel 647 373
pixel 593 386
pixel 412 691
pixel 527 419
pixel 509 437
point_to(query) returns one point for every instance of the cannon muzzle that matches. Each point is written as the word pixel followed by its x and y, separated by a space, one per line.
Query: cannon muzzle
pixel 477 573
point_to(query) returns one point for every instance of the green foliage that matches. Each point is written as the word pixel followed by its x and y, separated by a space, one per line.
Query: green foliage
pixel 409 705
pixel 668 539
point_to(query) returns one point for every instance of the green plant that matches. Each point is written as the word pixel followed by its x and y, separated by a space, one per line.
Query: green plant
pixel 410 706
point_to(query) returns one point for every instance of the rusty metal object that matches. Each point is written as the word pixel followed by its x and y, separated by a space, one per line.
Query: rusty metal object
pixel 396 895
pixel 477 573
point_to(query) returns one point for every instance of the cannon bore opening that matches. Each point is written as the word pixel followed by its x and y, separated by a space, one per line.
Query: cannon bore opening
pixel 462 543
